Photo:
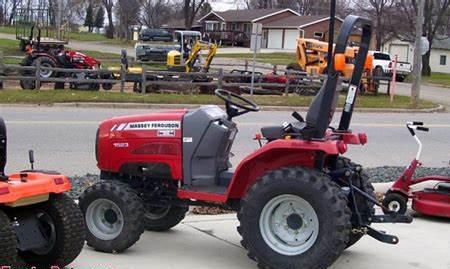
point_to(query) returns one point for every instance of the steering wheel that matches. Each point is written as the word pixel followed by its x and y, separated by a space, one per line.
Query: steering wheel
pixel 232 106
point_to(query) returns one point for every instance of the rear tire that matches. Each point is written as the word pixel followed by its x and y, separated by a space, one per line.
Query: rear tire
pixel 313 235
pixel 163 219
pixel 68 232
pixel 8 242
pixel 113 213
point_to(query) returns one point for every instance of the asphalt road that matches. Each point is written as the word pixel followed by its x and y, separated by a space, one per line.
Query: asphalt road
pixel 63 138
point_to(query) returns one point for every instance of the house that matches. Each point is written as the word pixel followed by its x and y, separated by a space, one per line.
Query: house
pixel 404 49
pixel 281 27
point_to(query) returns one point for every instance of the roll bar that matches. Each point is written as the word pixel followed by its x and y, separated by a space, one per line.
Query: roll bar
pixel 323 106
pixel 366 28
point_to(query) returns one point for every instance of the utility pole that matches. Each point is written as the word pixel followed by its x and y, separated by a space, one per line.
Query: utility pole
pixel 417 67
pixel 59 4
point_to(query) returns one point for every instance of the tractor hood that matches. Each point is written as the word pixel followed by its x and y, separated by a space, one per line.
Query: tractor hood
pixel 160 124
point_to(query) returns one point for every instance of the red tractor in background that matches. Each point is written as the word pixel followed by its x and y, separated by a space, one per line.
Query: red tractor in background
pixel 299 202
pixel 40 226
pixel 57 56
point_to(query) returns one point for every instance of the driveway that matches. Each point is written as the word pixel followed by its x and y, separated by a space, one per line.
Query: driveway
pixel 205 242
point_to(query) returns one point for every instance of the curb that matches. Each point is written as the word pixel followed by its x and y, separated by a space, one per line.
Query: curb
pixel 439 108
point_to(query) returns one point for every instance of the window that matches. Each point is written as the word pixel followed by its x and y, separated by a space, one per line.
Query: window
pixel 318 35
pixel 211 25
pixel 234 26
pixel 301 33
pixel 248 28
pixel 443 60
pixel 381 56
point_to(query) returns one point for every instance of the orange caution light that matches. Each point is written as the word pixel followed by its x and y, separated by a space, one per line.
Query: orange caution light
pixel 369 62
pixel 339 62
pixel 288 137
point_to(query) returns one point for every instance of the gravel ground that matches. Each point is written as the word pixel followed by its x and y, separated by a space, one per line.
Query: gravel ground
pixel 376 175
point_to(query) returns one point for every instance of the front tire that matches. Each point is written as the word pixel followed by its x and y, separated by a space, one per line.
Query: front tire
pixel 294 218
pixel 163 219
pixel 113 213
pixel 8 242
pixel 396 203
pixel 63 221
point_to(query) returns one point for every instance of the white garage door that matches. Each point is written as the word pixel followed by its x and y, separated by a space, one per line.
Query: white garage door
pixel 401 51
pixel 275 39
pixel 290 39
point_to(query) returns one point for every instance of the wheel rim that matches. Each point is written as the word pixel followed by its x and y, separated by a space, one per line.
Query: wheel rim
pixel 48 230
pixel 46 73
pixel 156 213
pixel 394 206
pixel 104 219
pixel 289 225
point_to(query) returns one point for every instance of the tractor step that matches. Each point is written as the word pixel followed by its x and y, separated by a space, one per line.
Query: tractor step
pixel 391 218
pixel 382 236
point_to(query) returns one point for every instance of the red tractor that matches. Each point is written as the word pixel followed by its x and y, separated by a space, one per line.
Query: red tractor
pixel 58 57
pixel 40 226
pixel 299 203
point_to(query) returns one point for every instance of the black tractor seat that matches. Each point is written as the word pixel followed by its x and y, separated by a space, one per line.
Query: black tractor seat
pixel 279 131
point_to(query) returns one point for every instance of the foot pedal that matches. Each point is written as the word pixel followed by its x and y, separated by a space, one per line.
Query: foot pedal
pixel 391 218
pixel 382 236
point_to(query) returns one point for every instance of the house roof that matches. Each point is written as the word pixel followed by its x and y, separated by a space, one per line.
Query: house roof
pixel 247 15
pixel 178 24
pixel 297 21
pixel 443 44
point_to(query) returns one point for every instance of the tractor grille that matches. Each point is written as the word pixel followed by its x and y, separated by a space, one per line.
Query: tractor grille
pixel 177 60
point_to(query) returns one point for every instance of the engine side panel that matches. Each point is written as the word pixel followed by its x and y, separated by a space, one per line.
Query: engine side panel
pixel 142 145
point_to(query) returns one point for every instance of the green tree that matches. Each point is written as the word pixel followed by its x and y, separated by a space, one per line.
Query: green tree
pixel 89 20
pixel 99 18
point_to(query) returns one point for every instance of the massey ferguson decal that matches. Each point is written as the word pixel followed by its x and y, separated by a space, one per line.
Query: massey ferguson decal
pixel 149 125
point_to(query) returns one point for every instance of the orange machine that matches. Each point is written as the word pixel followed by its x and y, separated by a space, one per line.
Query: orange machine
pixel 40 226
pixel 311 57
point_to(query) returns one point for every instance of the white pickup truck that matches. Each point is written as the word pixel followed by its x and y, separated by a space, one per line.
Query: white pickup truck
pixel 383 64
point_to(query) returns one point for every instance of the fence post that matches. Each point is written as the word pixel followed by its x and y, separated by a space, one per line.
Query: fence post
pixel 122 78
pixel 144 79
pixel 220 80
pixel 37 85
pixel 286 89
pixel 274 70
pixel 2 69
pixel 246 65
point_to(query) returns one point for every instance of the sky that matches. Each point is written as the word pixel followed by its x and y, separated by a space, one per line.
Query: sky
pixel 222 5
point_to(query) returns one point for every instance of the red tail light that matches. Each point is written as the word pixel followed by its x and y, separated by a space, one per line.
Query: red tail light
pixel 362 138
pixel 341 147
pixel 4 190
pixel 158 149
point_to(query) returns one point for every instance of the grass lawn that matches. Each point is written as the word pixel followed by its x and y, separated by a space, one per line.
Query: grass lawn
pixel 72 35
pixel 62 96
pixel 438 78
pixel 270 58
